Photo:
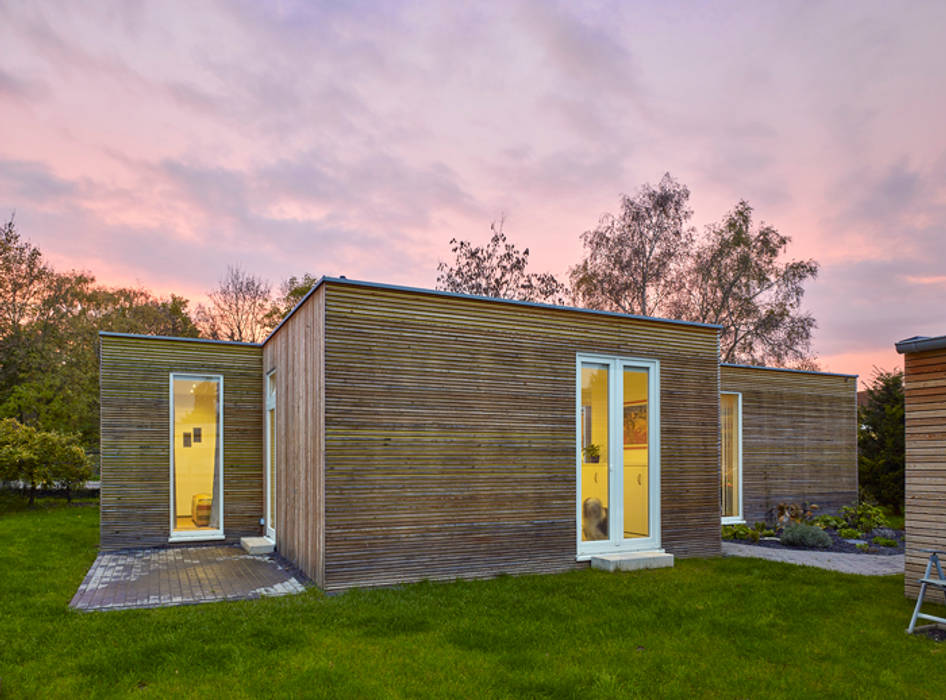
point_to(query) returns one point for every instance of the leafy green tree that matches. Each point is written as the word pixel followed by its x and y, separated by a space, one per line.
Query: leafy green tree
pixel 49 324
pixel 293 291
pixel 648 260
pixel 881 440
pixel 734 278
pixel 497 270
pixel 68 466
pixel 41 458
pixel 24 278
pixel 635 262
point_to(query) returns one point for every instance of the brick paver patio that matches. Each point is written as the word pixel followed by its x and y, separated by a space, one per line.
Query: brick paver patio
pixel 150 578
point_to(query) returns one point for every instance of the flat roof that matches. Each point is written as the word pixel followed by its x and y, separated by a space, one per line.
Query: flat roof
pixel 476 297
pixel 113 334
pixel 919 343
pixel 786 369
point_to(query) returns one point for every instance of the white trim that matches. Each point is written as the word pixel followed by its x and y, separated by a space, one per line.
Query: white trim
pixel 198 536
pixel 270 403
pixel 195 535
pixel 739 517
pixel 616 542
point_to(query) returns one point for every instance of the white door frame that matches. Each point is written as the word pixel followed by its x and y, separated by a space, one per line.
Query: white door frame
pixel 269 437
pixel 616 543
pixel 739 518
pixel 206 534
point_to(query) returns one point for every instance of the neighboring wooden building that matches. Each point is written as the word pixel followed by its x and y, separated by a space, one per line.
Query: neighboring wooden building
pixel 924 361
pixel 799 439
pixel 141 439
pixel 394 434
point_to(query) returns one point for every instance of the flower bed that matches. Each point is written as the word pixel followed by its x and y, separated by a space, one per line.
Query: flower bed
pixel 859 529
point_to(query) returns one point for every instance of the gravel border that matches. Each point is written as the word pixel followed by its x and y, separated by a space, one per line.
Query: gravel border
pixel 864 564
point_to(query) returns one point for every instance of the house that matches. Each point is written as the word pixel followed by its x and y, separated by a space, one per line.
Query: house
pixel 387 434
pixel 799 439
pixel 924 361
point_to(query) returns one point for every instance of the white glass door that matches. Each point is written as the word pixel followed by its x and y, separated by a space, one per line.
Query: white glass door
pixel 618 454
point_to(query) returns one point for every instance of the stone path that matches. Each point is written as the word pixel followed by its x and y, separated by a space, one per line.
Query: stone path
pixel 866 564
pixel 150 578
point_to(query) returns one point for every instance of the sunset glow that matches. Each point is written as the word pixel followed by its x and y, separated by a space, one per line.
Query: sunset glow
pixel 155 143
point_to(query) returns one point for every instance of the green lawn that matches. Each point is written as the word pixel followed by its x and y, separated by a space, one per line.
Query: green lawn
pixel 732 628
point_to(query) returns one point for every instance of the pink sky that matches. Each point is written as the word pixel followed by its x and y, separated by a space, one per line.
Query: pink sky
pixel 156 143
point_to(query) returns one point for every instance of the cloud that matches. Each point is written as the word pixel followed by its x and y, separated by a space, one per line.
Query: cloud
pixel 159 143
pixel 33 183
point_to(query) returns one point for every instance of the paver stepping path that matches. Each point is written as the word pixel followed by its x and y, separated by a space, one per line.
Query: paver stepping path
pixel 866 564
pixel 150 578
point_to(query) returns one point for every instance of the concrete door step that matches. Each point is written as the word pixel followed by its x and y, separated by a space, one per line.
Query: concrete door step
pixel 632 561
pixel 257 545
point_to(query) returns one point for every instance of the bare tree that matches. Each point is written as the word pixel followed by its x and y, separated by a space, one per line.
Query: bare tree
pixel 238 308
pixel 497 270
pixel 634 262
pixel 734 279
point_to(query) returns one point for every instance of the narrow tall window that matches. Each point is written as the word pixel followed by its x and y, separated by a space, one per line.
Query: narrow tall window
pixel 271 455
pixel 730 420
pixel 196 454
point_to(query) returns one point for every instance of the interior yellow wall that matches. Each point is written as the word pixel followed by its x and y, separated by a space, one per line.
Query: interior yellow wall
pixel 635 464
pixel 195 405
pixel 594 477
pixel 594 393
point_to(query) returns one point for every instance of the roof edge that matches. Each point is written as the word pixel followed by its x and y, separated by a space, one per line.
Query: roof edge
pixel 788 369
pixel 477 297
pixel 113 334
pixel 919 343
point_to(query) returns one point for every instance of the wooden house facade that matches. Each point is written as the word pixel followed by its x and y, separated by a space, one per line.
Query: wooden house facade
pixel 390 434
pixel 798 438
pixel 924 362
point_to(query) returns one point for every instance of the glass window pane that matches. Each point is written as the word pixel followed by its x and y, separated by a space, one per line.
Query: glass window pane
pixel 594 452
pixel 636 455
pixel 729 457
pixel 196 454
pixel 272 468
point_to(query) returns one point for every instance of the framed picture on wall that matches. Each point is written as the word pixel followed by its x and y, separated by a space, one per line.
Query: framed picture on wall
pixel 635 425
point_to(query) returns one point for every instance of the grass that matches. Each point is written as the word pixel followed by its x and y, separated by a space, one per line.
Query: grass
pixel 894 520
pixel 720 627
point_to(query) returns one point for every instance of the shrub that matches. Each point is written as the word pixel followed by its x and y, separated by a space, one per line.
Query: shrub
pixel 802 535
pixel 849 533
pixel 864 516
pixel 829 522
pixel 863 546
pixel 740 532
pixel 885 542
pixel 41 458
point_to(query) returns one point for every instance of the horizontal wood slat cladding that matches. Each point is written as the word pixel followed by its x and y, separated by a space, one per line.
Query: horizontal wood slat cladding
pixel 295 352
pixel 925 391
pixel 799 438
pixel 135 423
pixel 450 434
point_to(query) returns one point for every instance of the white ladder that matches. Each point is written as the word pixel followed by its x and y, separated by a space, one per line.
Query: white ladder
pixel 927 580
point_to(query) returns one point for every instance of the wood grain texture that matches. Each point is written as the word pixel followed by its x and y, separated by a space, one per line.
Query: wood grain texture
pixel 450 434
pixel 135 417
pixel 925 495
pixel 295 353
pixel 799 437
